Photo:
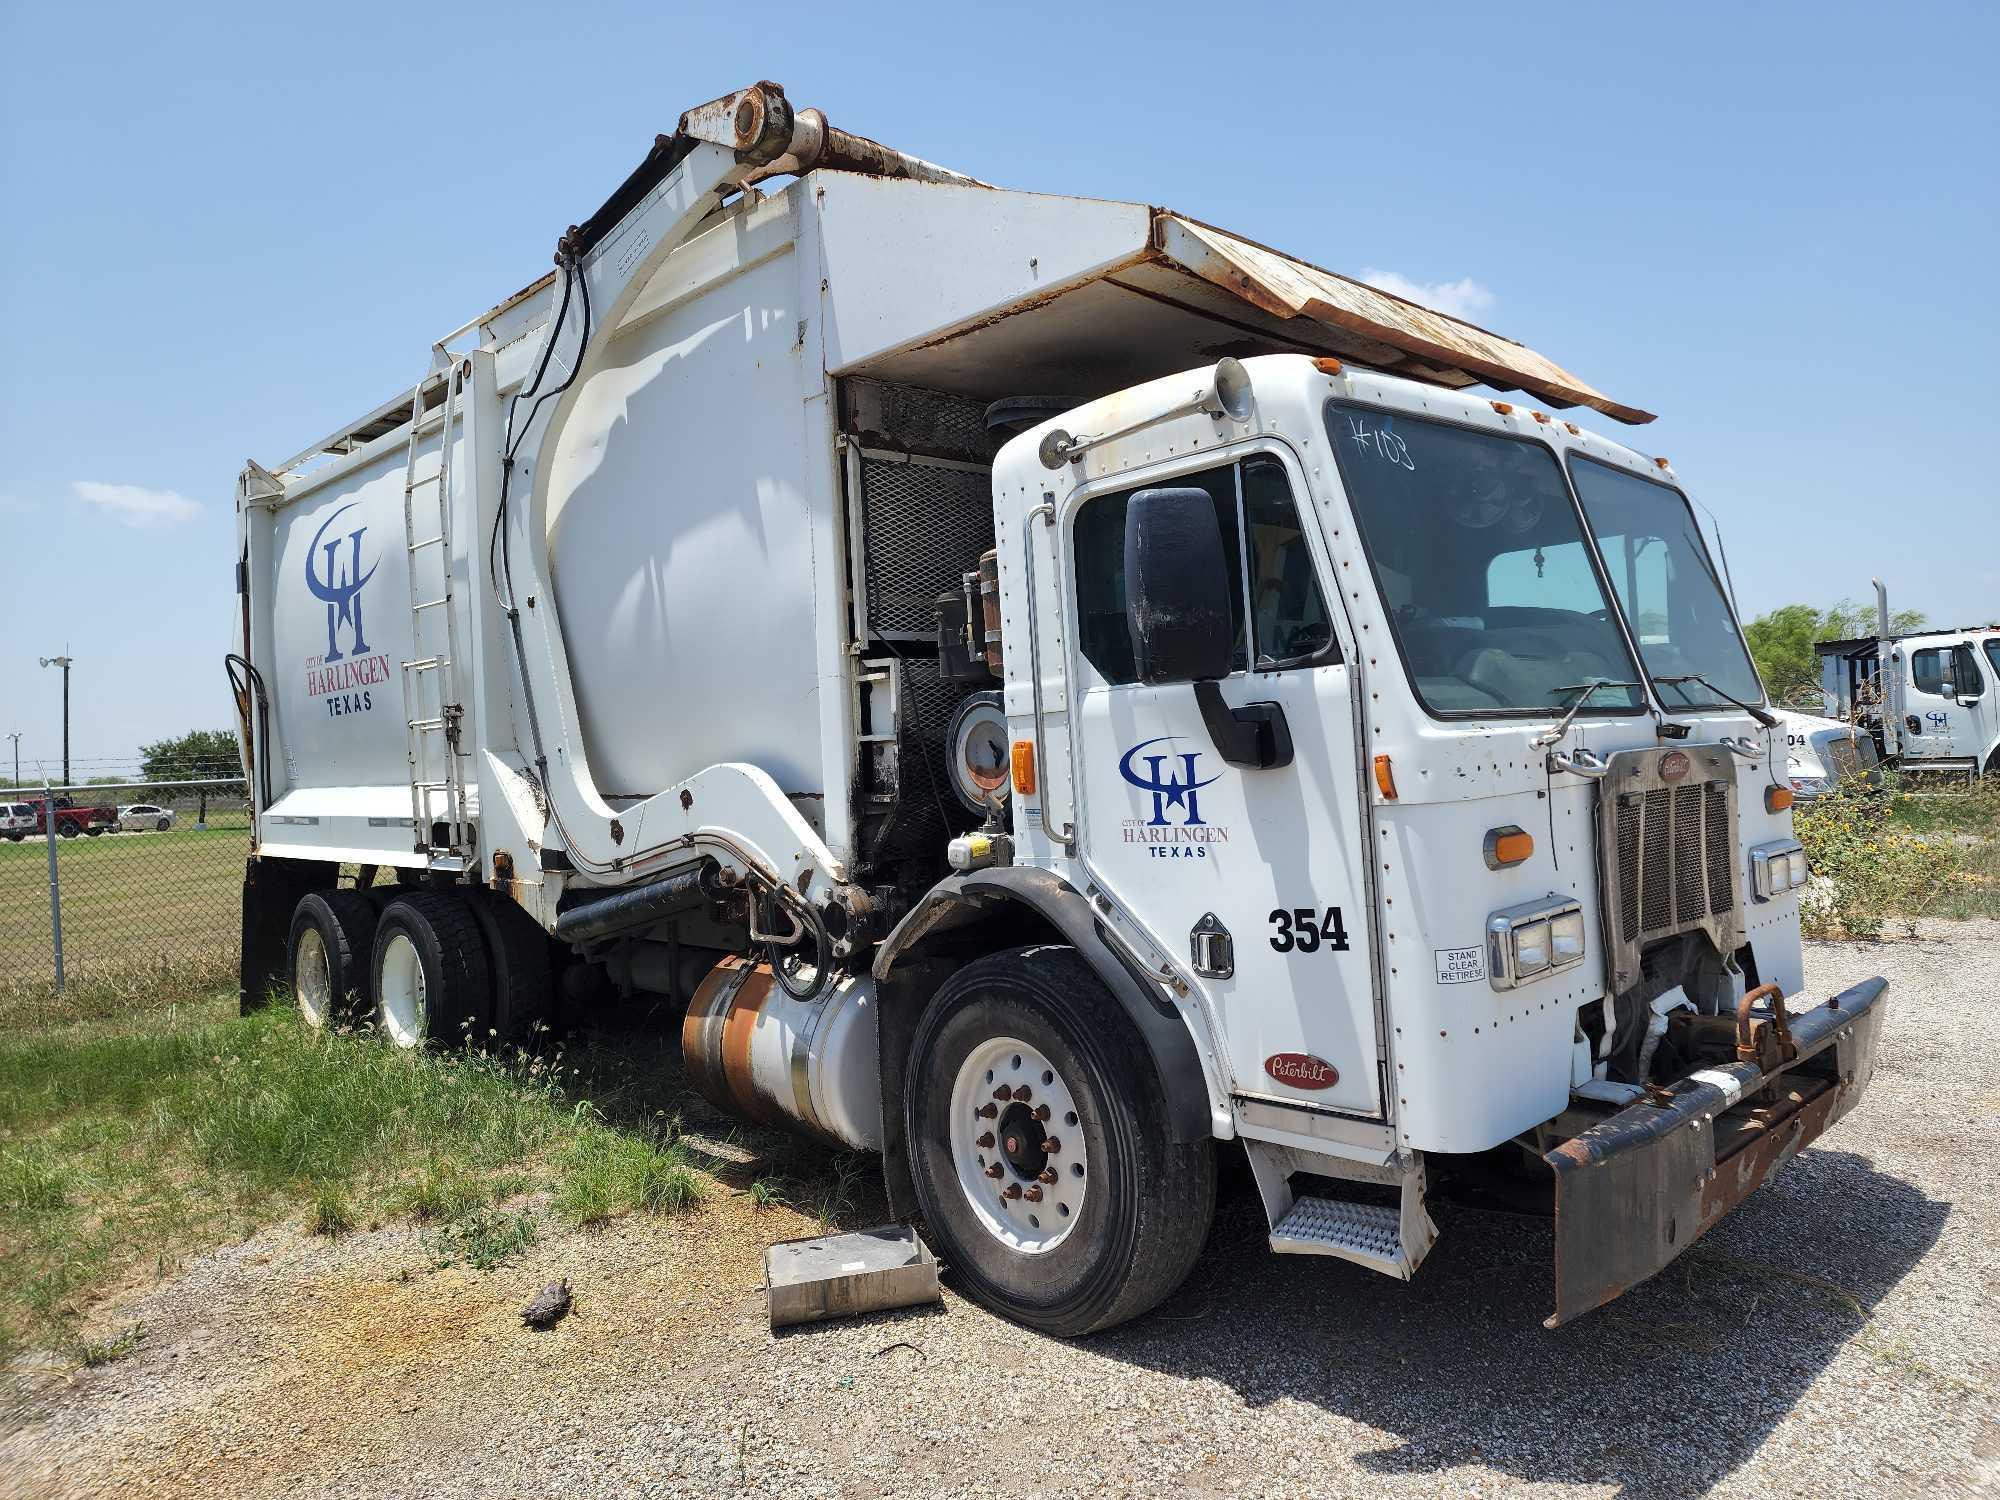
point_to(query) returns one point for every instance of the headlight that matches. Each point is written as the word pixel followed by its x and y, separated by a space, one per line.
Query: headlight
pixel 1535 938
pixel 1811 784
pixel 1776 868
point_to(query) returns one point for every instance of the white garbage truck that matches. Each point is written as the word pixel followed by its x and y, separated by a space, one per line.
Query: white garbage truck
pixel 1058 692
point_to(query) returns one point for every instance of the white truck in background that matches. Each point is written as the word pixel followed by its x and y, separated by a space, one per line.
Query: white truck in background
pixel 1054 689
pixel 1930 698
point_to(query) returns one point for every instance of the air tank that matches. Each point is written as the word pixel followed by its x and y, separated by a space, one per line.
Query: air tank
pixel 809 1066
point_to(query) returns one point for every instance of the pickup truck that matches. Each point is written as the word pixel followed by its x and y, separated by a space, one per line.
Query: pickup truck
pixel 71 819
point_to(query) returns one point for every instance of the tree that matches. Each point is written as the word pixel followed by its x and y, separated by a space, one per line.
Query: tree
pixel 198 755
pixel 1781 642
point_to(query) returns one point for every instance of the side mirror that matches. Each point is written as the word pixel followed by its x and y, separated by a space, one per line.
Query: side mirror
pixel 1177 587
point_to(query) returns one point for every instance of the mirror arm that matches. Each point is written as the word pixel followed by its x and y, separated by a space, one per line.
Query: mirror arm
pixel 1256 734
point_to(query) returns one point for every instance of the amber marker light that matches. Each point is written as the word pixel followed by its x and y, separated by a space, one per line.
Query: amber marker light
pixel 1507 846
pixel 1659 463
pixel 1505 408
pixel 1327 365
pixel 1385 779
pixel 1777 798
pixel 1024 767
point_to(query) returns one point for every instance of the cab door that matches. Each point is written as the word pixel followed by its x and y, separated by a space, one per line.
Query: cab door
pixel 1946 691
pixel 1252 876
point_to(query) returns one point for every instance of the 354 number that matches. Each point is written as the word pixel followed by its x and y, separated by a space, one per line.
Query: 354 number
pixel 1300 928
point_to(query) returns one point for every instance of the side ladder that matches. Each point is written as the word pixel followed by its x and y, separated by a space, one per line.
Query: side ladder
pixel 432 703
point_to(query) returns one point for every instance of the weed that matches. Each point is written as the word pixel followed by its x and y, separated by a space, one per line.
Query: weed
pixel 331 1214
pixel 767 1192
pixel 33 1180
pixel 606 1172
pixel 92 1354
pixel 483 1239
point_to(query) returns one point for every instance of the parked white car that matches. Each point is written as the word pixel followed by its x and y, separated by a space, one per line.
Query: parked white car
pixel 17 821
pixel 141 816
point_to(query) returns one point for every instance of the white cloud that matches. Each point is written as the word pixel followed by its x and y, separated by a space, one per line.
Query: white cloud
pixel 1463 298
pixel 136 505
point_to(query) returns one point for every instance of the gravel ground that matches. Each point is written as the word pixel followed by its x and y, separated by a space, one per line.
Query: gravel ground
pixel 1840 1333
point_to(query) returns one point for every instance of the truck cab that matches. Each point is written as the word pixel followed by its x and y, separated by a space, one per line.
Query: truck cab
pixel 1931 698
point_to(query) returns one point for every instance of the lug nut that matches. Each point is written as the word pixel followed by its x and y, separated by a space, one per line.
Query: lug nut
pixel 1022 1093
pixel 995 1170
pixel 1033 1195
pixel 985 1142
pixel 1011 1190
pixel 1047 1174
pixel 987 1111
pixel 1051 1145
pixel 1041 1111
pixel 1003 1093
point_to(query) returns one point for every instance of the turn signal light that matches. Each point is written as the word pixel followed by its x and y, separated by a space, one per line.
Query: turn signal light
pixel 1327 366
pixel 1507 846
pixel 1385 779
pixel 1777 798
pixel 1024 767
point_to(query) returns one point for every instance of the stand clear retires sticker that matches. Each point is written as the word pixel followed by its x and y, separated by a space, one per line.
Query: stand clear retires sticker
pixel 1460 965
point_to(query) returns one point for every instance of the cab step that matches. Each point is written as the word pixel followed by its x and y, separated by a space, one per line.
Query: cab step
pixel 1390 1238
pixel 1367 1233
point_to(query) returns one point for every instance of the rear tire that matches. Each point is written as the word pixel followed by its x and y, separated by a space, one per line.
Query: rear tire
pixel 432 984
pixel 517 950
pixel 67 830
pixel 1139 1209
pixel 331 949
pixel 93 830
pixel 164 824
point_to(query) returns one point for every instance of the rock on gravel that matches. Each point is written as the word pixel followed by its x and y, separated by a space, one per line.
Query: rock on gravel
pixel 1839 1334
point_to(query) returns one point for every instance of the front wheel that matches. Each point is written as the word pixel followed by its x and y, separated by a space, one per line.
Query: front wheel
pixel 163 825
pixel 67 830
pixel 1040 1146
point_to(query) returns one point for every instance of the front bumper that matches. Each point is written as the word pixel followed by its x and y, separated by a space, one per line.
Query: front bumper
pixel 1635 1190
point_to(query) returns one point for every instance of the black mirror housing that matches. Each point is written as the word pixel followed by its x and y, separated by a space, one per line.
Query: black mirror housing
pixel 1177 587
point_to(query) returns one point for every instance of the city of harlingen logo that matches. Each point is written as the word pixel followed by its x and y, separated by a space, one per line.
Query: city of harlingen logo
pixel 341 592
pixel 1174 781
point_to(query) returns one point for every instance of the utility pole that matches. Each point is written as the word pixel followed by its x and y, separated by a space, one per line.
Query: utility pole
pixel 16 738
pixel 63 662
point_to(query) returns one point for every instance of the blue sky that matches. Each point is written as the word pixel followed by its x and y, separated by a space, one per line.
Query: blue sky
pixel 225 230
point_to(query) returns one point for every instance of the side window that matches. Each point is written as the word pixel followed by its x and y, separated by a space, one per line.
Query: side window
pixel 1098 537
pixel 1927 671
pixel 1965 673
pixel 1993 656
pixel 1288 614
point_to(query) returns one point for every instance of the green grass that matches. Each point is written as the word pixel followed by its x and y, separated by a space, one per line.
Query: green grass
pixel 130 1139
pixel 1887 858
pixel 135 906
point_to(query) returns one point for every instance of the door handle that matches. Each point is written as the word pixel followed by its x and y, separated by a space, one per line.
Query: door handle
pixel 1255 735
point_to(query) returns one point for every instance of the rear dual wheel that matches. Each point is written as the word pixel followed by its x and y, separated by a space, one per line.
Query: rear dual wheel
pixel 432 981
pixel 1040 1147
pixel 332 946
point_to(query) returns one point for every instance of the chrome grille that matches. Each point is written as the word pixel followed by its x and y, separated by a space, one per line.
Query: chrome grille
pixel 1670 854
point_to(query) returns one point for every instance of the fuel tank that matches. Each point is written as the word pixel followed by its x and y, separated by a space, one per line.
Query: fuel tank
pixel 809 1066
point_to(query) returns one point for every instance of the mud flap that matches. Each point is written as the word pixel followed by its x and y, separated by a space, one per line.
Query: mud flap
pixel 1637 1189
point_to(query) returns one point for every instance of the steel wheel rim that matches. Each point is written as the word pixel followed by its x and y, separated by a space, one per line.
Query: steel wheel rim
pixel 987 1130
pixel 402 992
pixel 312 978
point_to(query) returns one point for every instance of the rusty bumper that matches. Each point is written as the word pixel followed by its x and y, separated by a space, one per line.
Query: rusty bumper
pixel 1635 1190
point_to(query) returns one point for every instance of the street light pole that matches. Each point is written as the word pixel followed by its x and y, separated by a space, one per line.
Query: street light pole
pixel 63 662
pixel 16 738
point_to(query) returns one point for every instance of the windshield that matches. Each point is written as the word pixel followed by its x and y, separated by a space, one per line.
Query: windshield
pixel 1660 571
pixel 1496 602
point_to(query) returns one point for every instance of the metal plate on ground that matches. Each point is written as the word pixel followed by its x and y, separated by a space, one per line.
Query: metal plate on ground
pixel 844 1275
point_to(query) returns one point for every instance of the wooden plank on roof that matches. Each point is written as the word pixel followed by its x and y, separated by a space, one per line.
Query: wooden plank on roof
pixel 1288 288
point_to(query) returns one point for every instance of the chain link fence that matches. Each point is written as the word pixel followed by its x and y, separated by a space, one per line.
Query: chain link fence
pixel 121 883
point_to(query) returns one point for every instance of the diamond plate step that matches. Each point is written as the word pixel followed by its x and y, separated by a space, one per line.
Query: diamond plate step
pixel 1361 1232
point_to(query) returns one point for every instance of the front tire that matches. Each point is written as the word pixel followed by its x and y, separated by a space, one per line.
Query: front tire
pixel 432 984
pixel 332 944
pixel 1100 1219
pixel 163 824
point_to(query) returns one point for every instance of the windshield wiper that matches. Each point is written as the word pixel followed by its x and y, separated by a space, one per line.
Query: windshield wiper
pixel 1768 720
pixel 1583 690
